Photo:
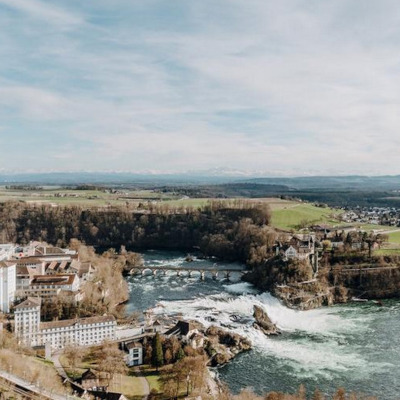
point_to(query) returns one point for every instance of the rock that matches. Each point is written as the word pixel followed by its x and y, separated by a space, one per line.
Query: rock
pixel 224 345
pixel 263 322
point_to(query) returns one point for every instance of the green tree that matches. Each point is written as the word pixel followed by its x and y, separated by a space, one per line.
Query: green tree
pixel 180 354
pixel 157 356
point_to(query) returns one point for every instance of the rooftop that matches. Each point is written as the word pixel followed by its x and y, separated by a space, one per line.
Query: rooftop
pixel 81 321
pixel 30 302
pixel 64 279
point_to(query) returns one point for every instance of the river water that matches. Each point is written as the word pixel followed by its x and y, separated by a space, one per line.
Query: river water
pixel 356 346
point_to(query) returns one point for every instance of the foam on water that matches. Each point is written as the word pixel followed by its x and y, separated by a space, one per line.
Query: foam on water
pixel 355 346
pixel 241 288
pixel 330 353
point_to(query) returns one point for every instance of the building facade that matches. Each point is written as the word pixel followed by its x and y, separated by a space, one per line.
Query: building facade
pixel 27 320
pixel 80 332
pixel 7 285
pixel 135 354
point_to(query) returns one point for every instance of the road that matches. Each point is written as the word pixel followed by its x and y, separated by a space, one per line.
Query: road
pixel 41 392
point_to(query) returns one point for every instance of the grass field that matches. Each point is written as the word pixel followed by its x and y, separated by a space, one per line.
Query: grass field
pixel 85 198
pixel 293 214
pixel 394 237
pixel 130 385
pixel 286 214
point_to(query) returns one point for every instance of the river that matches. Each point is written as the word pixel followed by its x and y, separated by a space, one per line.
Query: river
pixel 355 346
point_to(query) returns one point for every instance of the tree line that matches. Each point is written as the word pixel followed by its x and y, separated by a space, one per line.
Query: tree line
pixel 234 230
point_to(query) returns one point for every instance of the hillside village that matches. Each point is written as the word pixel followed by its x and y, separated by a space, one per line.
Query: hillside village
pixel 389 216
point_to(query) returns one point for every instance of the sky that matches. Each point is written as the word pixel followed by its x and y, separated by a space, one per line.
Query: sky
pixel 260 87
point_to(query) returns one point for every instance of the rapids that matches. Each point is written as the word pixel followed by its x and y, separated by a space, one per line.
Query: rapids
pixel 356 346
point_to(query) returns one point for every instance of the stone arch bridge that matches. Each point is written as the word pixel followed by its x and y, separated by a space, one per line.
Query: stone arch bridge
pixel 185 271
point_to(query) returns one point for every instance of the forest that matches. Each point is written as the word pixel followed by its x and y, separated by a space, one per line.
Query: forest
pixel 236 230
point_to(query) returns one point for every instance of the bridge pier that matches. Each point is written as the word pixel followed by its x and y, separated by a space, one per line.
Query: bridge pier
pixel 215 274
pixel 190 274
pixel 178 273
pixel 202 275
pixel 142 272
pixel 164 272
pixel 227 275
pixel 154 272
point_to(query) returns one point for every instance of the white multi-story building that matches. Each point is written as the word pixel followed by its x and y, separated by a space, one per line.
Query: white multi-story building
pixel 7 284
pixel 81 332
pixel 51 285
pixel 135 354
pixel 6 251
pixel 27 320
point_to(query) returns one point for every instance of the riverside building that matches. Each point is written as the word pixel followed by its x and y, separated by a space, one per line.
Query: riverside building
pixel 80 331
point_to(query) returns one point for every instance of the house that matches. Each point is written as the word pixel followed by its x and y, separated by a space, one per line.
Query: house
pixel 93 380
pixel 290 251
pixel 337 243
pixel 294 252
pixel 154 327
pixel 188 333
pixel 135 354
pixel 196 340
pixel 296 247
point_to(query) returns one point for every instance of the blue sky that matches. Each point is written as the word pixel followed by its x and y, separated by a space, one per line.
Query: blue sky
pixel 268 87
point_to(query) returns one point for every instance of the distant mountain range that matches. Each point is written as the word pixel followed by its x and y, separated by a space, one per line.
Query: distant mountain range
pixel 347 183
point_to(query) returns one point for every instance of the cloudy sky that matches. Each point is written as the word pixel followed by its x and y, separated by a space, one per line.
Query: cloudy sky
pixel 286 87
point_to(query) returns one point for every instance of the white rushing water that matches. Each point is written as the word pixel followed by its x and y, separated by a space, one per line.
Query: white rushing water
pixel 356 346
pixel 318 347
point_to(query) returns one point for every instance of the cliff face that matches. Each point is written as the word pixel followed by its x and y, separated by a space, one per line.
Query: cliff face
pixel 292 282
pixel 305 297
pixel 369 281
pixel 277 271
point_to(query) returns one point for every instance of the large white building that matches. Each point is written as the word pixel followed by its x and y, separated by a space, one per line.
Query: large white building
pixel 51 285
pixel 7 277
pixel 81 332
pixel 7 285
pixel 27 320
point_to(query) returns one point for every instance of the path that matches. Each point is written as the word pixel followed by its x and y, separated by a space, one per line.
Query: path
pixel 145 384
pixel 55 357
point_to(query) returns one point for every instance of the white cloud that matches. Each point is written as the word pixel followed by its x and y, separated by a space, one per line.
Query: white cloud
pixel 266 85
pixel 43 11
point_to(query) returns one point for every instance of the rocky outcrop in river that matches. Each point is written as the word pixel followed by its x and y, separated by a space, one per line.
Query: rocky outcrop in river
pixel 263 322
pixel 224 345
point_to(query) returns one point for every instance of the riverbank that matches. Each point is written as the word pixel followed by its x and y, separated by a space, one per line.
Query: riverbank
pixel 295 283
pixel 353 345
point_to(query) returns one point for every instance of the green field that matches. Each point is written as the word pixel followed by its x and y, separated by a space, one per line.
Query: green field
pixel 84 198
pixel 394 237
pixel 294 214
